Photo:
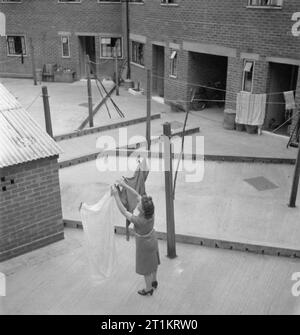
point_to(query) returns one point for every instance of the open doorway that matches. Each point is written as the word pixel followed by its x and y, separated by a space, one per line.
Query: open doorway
pixel 158 68
pixel 282 78
pixel 87 47
pixel 207 75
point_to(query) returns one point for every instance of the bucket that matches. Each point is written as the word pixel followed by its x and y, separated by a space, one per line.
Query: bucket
pixel 251 129
pixel 38 73
pixel 229 119
pixel 240 127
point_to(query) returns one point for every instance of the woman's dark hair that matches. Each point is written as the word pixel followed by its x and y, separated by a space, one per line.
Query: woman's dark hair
pixel 148 206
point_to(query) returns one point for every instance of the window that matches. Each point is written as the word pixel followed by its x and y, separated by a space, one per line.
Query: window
pixel 109 0
pixel 265 3
pixel 173 63
pixel 69 0
pixel 111 47
pixel 16 45
pixel 11 1
pixel 168 1
pixel 248 75
pixel 137 53
pixel 65 46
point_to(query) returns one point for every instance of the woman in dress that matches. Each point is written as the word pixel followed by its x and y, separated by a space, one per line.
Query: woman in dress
pixel 147 255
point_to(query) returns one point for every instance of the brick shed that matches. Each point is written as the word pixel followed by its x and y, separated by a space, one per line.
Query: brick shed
pixel 30 201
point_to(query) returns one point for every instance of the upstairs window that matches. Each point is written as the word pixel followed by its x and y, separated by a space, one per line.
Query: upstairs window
pixel 265 3
pixel 69 0
pixel 111 47
pixel 137 53
pixel 16 45
pixel 168 1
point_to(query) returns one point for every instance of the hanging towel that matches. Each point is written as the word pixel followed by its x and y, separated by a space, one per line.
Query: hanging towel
pixel 137 182
pixel 242 107
pixel 289 100
pixel 99 239
pixel 251 108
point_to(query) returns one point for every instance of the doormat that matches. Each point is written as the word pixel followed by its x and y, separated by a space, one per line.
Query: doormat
pixel 261 183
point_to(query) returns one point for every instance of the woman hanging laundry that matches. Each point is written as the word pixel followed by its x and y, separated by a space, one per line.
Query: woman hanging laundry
pixel 147 254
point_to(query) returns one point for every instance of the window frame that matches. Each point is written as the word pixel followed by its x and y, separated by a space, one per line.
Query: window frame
pixel 112 56
pixel 25 45
pixel 132 53
pixel 173 74
pixel 261 5
pixel 62 48
pixel 244 74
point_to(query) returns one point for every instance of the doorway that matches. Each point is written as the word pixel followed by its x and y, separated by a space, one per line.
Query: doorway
pixel 282 78
pixel 158 68
pixel 87 47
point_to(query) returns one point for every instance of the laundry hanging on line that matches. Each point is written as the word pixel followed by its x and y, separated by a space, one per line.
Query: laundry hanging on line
pixel 289 100
pixel 137 182
pixel 251 108
pixel 98 223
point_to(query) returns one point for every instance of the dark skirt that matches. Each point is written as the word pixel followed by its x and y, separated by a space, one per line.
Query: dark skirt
pixel 147 254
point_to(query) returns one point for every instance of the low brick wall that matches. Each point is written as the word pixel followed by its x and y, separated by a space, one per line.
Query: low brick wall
pixel 30 207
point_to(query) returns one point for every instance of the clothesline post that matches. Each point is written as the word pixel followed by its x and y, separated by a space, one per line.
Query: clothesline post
pixel 148 121
pixel 47 111
pixel 171 241
pixel 89 88
pixel 32 61
pixel 295 185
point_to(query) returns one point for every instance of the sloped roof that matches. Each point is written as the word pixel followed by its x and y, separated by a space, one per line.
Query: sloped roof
pixel 21 138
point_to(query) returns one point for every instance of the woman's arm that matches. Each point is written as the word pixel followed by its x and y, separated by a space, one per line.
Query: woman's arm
pixel 121 207
pixel 129 188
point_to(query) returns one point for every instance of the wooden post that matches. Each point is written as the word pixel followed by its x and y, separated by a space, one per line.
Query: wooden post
pixel 295 185
pixel 47 111
pixel 89 88
pixel 117 75
pixel 33 61
pixel 148 121
pixel 171 242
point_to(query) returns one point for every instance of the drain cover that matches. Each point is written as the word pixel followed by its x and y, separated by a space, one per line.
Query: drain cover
pixel 261 183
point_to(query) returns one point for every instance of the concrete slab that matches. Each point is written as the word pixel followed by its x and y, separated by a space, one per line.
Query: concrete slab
pixel 222 206
pixel 55 280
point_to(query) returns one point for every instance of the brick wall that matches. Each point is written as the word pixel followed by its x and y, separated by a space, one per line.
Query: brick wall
pixel 32 198
pixel 266 32
pixel 42 20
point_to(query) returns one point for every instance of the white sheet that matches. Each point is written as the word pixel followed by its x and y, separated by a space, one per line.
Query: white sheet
pixel 99 238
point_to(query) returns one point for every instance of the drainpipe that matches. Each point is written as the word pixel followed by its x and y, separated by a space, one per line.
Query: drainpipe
pixel 128 41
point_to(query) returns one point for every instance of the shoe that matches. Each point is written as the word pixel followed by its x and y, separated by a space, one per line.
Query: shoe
pixel 144 292
pixel 154 284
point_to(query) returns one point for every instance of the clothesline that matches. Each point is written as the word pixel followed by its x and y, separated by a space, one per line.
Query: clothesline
pixel 214 88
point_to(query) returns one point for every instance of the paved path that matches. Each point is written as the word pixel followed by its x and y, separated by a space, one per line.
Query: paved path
pixel 55 280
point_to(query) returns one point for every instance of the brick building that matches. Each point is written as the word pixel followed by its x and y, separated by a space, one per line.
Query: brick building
pixel 243 44
pixel 30 202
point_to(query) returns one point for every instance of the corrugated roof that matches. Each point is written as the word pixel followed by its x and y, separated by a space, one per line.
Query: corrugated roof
pixel 21 138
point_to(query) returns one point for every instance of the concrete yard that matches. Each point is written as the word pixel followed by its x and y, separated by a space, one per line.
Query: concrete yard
pixel 223 205
pixel 67 113
pixel 55 280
